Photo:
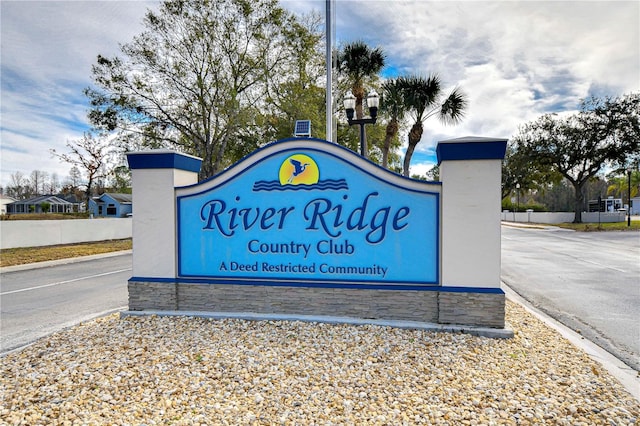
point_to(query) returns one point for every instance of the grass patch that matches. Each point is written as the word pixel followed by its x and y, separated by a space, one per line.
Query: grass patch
pixel 44 216
pixel 24 255
pixel 593 227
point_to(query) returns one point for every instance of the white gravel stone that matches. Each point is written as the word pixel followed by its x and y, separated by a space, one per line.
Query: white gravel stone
pixel 190 371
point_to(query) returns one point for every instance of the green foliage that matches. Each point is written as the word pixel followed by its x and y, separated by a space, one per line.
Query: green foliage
pixel 594 227
pixel 434 174
pixel 24 255
pixel 604 132
pixel 418 97
pixel 507 204
pixel 559 196
pixel 40 216
pixel 297 103
pixel 349 137
pixel 295 94
pixel 120 180
pixel 518 169
pixel 360 65
pixel 424 98
pixel 619 185
pixel 394 107
pixel 206 77
pixel 45 207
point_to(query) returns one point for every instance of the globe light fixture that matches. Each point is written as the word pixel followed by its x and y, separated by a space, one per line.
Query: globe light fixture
pixel 373 102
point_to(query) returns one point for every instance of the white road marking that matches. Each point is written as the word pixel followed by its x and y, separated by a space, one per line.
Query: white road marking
pixel 600 264
pixel 64 282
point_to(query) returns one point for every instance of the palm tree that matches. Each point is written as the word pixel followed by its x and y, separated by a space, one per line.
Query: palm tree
pixel 393 104
pixel 358 63
pixel 619 184
pixel 423 96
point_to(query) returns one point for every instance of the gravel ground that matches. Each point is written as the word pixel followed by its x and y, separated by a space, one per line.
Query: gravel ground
pixel 190 371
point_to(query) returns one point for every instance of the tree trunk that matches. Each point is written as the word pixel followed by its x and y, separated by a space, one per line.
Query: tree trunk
pixel 407 158
pixel 414 137
pixel 578 201
pixel 358 92
pixel 88 193
pixel 392 130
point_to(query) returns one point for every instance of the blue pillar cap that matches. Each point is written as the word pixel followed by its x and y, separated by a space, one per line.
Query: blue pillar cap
pixel 471 148
pixel 163 159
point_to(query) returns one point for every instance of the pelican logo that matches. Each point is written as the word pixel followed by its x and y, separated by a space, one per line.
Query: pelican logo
pixel 300 172
pixel 299 169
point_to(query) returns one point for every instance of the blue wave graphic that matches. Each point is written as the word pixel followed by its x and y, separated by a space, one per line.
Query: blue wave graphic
pixel 325 185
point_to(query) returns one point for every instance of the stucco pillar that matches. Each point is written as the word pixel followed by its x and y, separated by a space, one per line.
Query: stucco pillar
pixel 154 176
pixel 470 172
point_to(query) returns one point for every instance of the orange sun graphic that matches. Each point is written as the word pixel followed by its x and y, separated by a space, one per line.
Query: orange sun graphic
pixel 299 169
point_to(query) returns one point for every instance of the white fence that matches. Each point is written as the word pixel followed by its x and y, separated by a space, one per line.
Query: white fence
pixel 34 233
pixel 561 217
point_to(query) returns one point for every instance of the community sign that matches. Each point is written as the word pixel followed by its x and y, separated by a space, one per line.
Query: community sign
pixel 311 213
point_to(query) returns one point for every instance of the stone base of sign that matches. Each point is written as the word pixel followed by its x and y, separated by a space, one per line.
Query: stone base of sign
pixel 144 295
pixel 485 309
pixel 464 308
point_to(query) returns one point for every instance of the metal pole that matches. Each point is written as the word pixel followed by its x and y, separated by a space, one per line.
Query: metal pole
pixel 362 136
pixel 599 209
pixel 629 198
pixel 518 196
pixel 329 90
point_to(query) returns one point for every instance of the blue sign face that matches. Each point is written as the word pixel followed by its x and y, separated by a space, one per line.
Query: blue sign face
pixel 309 212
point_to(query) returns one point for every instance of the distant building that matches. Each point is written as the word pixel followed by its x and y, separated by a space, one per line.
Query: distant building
pixel 38 205
pixel 635 205
pixel 606 205
pixel 111 205
pixel 4 200
pixel 78 203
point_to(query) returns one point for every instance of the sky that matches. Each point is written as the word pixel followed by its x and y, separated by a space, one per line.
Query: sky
pixel 515 60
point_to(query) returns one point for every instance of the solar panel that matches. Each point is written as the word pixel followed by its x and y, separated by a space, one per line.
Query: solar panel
pixel 303 128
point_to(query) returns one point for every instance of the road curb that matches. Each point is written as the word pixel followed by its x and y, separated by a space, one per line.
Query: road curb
pixel 530 225
pixel 49 263
pixel 626 375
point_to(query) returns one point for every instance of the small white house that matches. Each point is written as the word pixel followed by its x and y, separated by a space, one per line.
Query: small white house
pixel 4 200
pixel 40 204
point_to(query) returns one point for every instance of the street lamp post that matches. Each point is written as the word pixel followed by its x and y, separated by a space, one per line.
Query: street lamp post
pixel 629 198
pixel 373 101
pixel 518 197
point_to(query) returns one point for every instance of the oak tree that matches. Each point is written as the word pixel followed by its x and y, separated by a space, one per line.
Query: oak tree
pixel 194 79
pixel 604 132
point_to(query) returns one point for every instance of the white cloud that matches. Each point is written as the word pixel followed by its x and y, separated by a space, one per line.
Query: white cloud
pixel 515 59
pixel 48 48
pixel 420 169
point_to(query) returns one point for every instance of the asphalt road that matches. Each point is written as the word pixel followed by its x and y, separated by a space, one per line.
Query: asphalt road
pixel 38 302
pixel 589 281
